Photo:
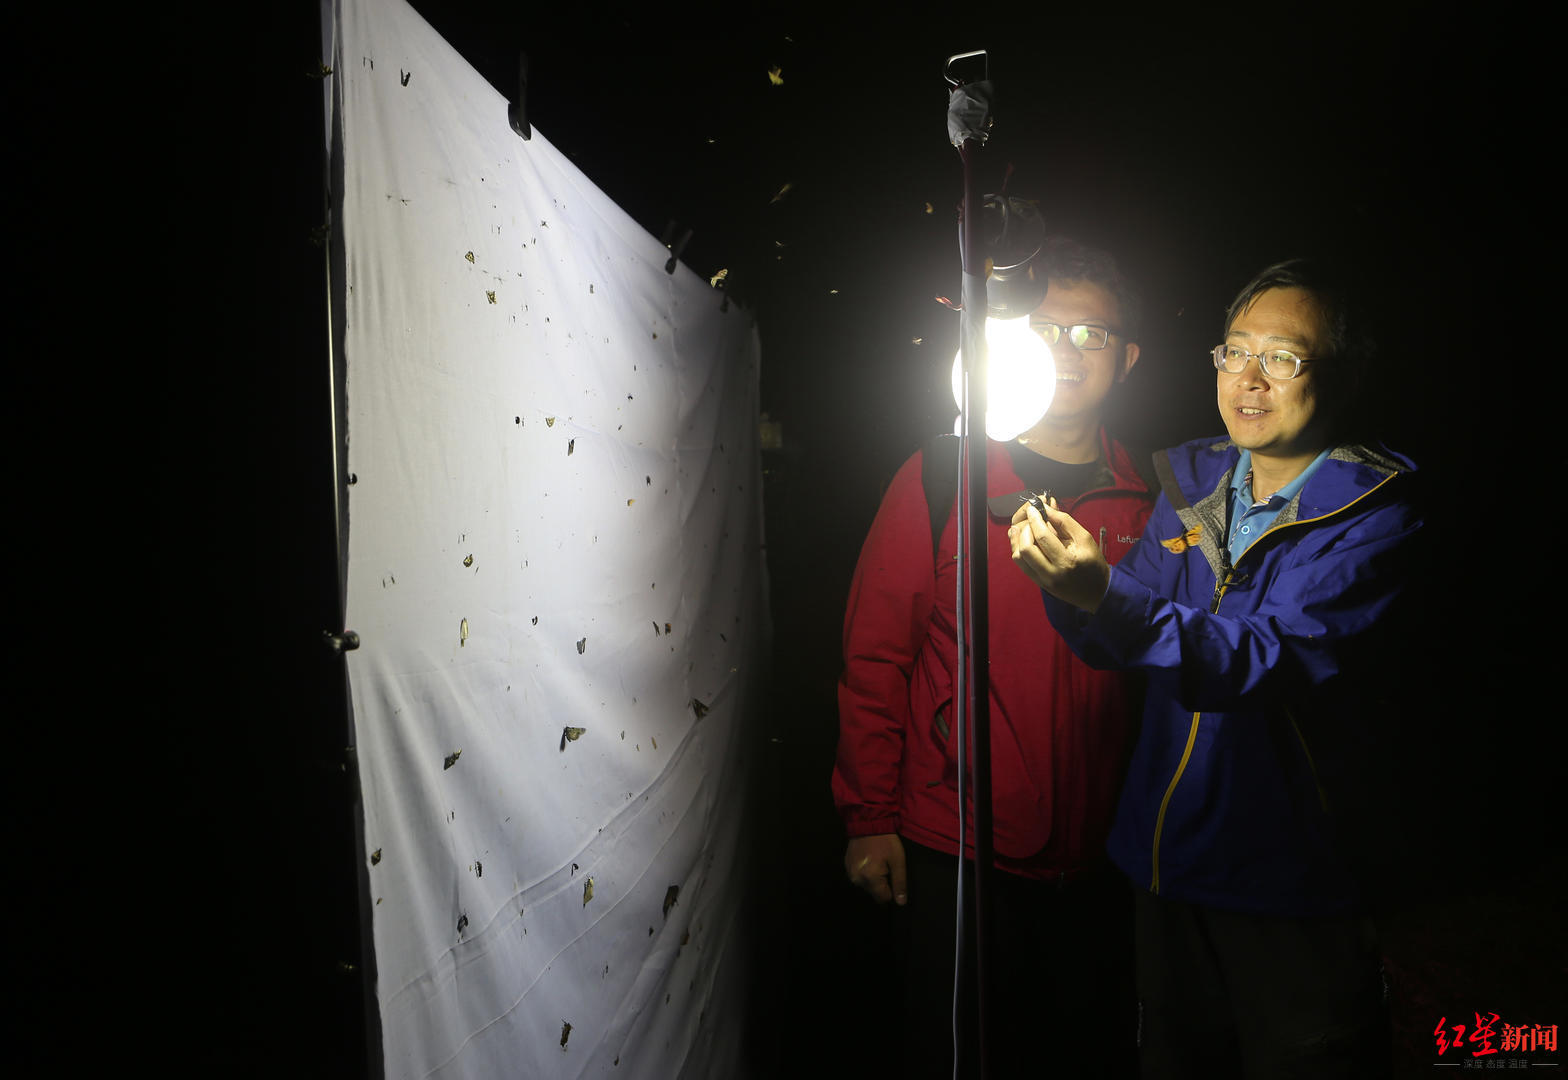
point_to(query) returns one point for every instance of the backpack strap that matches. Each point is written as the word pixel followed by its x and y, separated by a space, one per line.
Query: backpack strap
pixel 1143 463
pixel 939 477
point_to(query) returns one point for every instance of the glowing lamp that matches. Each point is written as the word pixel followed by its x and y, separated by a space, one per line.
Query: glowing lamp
pixel 1021 378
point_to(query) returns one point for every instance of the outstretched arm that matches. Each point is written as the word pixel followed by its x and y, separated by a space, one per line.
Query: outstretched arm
pixel 1294 637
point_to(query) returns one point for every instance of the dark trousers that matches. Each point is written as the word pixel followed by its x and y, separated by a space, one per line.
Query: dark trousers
pixel 1233 994
pixel 1061 1000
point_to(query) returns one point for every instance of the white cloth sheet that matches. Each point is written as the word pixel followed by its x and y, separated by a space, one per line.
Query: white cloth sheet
pixel 555 522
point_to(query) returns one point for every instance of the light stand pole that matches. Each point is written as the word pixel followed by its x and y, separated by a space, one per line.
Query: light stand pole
pixel 968 124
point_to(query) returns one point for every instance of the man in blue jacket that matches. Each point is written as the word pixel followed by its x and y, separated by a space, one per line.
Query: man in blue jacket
pixel 1253 602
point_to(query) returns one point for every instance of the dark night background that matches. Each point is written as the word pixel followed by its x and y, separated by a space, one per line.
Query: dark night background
pixel 1196 147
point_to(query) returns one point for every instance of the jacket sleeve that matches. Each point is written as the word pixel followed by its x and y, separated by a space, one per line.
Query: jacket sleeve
pixel 885 625
pixel 1323 601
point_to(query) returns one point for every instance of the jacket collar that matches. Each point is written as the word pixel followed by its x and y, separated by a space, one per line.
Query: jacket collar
pixel 1196 477
pixel 1117 472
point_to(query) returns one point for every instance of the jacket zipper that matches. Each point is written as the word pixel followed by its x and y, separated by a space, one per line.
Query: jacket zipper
pixel 1159 822
pixel 1221 583
pixel 1077 500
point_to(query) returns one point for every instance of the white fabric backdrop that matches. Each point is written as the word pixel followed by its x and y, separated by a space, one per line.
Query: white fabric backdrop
pixel 555 522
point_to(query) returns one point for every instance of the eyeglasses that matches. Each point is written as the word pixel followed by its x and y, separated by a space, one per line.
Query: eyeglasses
pixel 1276 363
pixel 1085 337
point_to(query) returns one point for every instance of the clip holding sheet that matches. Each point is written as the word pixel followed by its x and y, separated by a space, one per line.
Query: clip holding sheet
pixel 675 248
pixel 517 111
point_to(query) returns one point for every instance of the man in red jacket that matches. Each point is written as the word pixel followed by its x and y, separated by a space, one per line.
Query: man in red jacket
pixel 1059 730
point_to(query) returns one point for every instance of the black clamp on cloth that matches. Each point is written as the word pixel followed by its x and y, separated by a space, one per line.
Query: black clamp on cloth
pixel 517 111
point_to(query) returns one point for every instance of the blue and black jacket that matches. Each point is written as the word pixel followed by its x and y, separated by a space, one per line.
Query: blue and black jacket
pixel 1250 775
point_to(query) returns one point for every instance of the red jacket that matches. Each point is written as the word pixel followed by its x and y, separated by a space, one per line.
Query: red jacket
pixel 1059 730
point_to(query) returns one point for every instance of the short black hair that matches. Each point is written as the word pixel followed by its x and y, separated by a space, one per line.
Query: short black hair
pixel 1065 259
pixel 1350 342
pixel 1339 294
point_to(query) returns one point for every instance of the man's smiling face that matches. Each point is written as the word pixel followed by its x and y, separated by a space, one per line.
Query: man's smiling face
pixel 1275 418
pixel 1084 377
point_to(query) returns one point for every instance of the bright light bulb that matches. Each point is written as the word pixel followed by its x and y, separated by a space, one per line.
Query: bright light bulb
pixel 1021 378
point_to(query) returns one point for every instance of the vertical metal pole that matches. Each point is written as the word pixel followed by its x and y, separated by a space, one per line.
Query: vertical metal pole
pixel 976 614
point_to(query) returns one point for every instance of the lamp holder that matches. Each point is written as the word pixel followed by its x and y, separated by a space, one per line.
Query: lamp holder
pixel 1012 235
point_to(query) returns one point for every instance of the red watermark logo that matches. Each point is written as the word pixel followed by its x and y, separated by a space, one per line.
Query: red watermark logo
pixel 1492 1035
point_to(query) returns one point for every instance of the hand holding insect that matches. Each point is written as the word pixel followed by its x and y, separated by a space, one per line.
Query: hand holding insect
pixel 1059 555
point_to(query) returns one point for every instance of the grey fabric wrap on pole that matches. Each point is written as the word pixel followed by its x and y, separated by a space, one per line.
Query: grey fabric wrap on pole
pixel 967 108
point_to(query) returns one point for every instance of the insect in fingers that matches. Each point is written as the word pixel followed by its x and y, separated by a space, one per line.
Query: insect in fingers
pixel 1037 500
